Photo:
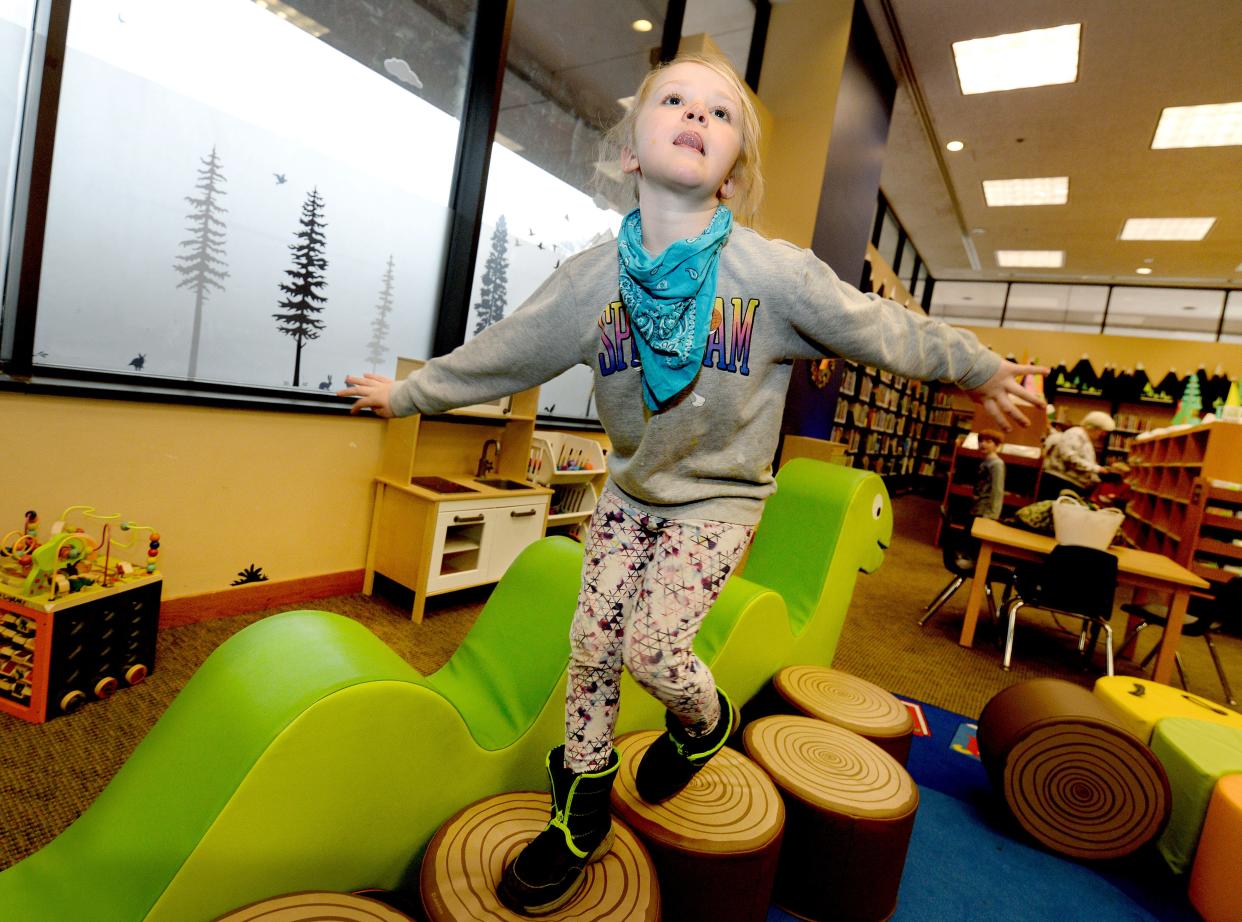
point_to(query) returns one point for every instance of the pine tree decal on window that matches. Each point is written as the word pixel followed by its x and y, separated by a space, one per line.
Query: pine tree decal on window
pixel 494 295
pixel 202 263
pixel 303 300
pixel 378 346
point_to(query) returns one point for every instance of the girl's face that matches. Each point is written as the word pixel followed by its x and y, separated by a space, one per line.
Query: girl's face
pixel 687 137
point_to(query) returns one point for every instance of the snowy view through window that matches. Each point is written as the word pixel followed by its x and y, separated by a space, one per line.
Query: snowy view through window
pixel 234 200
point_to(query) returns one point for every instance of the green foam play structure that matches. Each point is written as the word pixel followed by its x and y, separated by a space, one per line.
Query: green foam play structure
pixel 305 755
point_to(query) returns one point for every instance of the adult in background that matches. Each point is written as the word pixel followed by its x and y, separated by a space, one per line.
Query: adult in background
pixel 1070 456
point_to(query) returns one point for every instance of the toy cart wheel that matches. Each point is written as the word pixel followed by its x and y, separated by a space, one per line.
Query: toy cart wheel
pixel 135 674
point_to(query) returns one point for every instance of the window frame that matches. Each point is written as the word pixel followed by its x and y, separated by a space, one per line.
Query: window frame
pixel 487 62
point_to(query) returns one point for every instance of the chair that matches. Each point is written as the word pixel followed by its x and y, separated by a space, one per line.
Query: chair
pixel 958 550
pixel 1203 616
pixel 1076 581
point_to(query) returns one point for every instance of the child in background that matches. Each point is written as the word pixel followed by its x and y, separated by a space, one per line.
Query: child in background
pixel 688 323
pixel 990 482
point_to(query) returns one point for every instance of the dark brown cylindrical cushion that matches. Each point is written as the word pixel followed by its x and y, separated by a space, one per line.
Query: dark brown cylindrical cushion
pixel 1071 774
pixel 316 907
pixel 850 809
pixel 467 856
pixel 850 702
pixel 716 844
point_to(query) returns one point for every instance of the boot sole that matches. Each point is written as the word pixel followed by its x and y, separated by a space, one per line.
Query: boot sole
pixel 552 906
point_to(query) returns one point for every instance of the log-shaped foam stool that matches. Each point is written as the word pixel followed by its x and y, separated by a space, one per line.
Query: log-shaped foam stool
pixel 1071 774
pixel 715 845
pixel 1141 704
pixel 467 856
pixel 850 702
pixel 1195 755
pixel 849 811
pixel 1214 889
pixel 316 907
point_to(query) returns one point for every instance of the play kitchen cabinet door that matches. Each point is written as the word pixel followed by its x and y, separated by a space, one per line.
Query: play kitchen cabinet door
pixel 432 547
pixel 476 545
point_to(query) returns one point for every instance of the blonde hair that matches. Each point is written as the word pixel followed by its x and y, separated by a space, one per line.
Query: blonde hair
pixel 746 173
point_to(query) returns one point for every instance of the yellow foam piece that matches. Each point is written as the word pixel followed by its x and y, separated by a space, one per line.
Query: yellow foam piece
pixel 1140 704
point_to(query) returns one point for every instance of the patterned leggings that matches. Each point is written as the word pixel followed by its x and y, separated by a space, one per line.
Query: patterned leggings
pixel 647 583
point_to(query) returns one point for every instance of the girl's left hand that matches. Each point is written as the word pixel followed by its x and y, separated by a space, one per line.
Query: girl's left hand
pixel 372 392
pixel 1001 393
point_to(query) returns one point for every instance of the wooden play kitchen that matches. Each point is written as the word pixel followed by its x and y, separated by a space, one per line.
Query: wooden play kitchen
pixel 461 494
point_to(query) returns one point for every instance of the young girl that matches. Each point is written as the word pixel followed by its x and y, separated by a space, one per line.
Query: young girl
pixel 689 324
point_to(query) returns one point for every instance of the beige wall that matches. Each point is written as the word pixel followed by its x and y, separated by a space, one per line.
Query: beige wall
pixel 288 492
pixel 1125 352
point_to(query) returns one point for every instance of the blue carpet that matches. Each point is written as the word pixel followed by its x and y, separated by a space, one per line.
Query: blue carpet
pixel 969 861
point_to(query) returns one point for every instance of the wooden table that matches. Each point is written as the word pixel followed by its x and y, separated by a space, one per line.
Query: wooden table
pixel 1141 569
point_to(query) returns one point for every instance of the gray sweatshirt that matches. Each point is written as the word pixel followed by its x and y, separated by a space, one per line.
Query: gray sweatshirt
pixel 709 454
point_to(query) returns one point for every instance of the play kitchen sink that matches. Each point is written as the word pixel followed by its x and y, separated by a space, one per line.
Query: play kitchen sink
pixel 440 485
pixel 500 483
pixel 443 485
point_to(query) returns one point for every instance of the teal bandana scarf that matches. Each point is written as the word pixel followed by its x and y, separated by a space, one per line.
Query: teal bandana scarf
pixel 669 299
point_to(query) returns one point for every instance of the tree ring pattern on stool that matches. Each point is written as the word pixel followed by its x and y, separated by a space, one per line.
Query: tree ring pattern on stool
pixel 316 906
pixel 467 856
pixel 1071 774
pixel 844 700
pixel 831 768
pixel 730 806
pixel 1079 793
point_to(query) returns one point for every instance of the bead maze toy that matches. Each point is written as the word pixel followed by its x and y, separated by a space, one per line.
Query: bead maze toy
pixel 77 616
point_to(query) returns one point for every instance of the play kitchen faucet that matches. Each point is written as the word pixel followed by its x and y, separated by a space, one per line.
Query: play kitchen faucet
pixel 486 465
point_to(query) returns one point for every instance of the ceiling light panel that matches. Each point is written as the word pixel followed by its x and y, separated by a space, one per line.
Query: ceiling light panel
pixel 1030 259
pixel 1044 190
pixel 1199 126
pixel 1166 228
pixel 1039 57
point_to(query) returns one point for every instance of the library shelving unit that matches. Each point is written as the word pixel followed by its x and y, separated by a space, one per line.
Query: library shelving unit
pixel 880 418
pixel 575 468
pixel 945 426
pixel 1187 502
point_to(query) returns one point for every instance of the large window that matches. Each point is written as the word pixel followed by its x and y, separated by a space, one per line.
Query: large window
pixel 16 31
pixel 1231 331
pixel 975 304
pixel 275 221
pixel 1166 313
pixel 244 197
pixel 1119 310
pixel 1069 308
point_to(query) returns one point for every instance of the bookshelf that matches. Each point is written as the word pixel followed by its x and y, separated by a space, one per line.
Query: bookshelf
pixel 1187 502
pixel 880 417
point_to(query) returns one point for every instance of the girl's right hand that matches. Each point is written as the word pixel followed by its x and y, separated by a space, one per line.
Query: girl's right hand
pixel 372 392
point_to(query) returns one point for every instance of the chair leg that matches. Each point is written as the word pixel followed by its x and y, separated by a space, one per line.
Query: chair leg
pixel 945 593
pixel 1131 637
pixel 1181 672
pixel 987 593
pixel 1177 659
pixel 1220 670
pixel 1012 612
pixel 1108 648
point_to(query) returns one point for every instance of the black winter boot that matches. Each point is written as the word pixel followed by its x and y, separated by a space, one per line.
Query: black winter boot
pixel 549 870
pixel 675 757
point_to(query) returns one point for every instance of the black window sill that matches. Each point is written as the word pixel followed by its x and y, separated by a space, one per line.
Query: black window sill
pixel 118 387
